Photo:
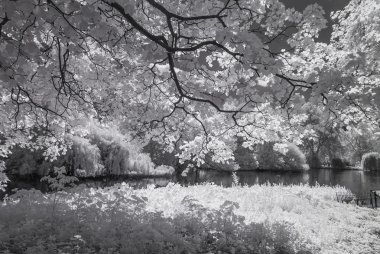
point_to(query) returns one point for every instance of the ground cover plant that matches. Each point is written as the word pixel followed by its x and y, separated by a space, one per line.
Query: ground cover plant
pixel 196 219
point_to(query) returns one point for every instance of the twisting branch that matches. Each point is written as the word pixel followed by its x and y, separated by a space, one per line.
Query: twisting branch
pixel 155 38
pixel 192 44
pixel 183 18
pixel 160 40
pixel 189 97
pixel 3 22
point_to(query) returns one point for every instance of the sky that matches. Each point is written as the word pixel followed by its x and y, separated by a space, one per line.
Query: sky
pixel 328 6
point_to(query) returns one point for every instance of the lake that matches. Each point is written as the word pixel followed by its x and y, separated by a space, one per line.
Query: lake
pixel 355 180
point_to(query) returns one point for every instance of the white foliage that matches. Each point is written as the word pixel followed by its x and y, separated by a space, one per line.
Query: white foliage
pixel 119 76
pixel 59 181
pixel 281 148
pixel 3 177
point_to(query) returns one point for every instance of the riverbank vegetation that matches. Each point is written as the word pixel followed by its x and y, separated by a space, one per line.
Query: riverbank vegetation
pixel 195 219
pixel 94 150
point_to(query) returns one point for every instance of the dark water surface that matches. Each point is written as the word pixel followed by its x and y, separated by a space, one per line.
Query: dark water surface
pixel 98 182
pixel 355 180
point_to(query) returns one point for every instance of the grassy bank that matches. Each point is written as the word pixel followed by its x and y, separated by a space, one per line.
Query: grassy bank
pixel 195 219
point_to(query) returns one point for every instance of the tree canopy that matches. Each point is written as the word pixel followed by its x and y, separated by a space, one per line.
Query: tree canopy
pixel 193 75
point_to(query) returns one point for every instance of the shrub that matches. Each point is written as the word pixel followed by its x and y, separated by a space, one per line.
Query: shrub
pixel 267 158
pixel 23 161
pixel 245 158
pixel 59 180
pixel 294 158
pixel 98 152
pixel 371 161
pixel 3 177
pixel 159 156
pixel 225 166
pixel 291 159
pixel 314 161
pixel 163 170
pixel 347 163
pixel 99 224
pixel 337 163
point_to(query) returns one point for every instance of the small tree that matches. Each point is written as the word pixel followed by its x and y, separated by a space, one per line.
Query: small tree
pixel 371 161
pixel 58 181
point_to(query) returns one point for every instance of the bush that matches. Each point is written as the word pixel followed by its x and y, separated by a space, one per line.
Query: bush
pixel 314 161
pixel 337 163
pixel 347 163
pixel 225 166
pixel 159 156
pixel 100 224
pixel 3 177
pixel 292 159
pixel 23 161
pixel 197 219
pixel 371 161
pixel 100 152
pixel 244 157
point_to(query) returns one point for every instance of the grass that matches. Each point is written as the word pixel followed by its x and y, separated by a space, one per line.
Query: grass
pixel 175 219
pixel 323 223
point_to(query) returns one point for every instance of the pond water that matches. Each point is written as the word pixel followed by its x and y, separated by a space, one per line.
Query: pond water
pixel 355 180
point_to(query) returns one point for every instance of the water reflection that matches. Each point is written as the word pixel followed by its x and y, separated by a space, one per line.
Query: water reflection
pixel 35 183
pixel 356 181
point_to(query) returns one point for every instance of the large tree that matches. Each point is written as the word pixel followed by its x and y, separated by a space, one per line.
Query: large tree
pixel 192 75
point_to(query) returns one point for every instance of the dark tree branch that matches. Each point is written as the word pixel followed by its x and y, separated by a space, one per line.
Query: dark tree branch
pixel 3 22
pixel 183 18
